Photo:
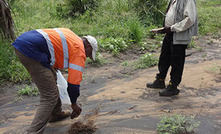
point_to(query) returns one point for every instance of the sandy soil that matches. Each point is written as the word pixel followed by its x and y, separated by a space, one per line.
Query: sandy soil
pixel 115 99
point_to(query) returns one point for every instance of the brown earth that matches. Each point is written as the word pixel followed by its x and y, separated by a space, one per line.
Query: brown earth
pixel 115 100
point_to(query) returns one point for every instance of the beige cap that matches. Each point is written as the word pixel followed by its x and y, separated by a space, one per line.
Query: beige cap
pixel 93 43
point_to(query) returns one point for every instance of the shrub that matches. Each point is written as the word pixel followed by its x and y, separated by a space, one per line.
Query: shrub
pixel 177 124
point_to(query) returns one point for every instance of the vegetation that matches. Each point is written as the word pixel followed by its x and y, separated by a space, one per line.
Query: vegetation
pixel 28 91
pixel 209 16
pixel 146 60
pixel 99 61
pixel 118 25
pixel 10 68
pixel 177 124
pixel 215 69
pixel 114 45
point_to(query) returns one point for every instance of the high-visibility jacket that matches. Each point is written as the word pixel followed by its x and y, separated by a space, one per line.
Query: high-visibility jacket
pixel 58 47
pixel 67 52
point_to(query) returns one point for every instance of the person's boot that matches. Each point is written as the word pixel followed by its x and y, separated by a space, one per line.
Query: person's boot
pixel 170 90
pixel 158 84
pixel 59 116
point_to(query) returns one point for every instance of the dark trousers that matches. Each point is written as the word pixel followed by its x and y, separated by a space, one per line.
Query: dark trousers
pixel 171 55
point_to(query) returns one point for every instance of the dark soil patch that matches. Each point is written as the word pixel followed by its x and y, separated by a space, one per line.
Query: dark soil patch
pixel 88 127
pixel 80 128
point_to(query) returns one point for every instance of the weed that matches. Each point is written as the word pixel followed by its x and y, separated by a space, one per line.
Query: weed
pixel 151 10
pixel 10 68
pixel 75 7
pixel 192 44
pixel 18 73
pixel 136 32
pixel 215 69
pixel 125 64
pixel 146 60
pixel 28 91
pixel 153 48
pixel 18 99
pixel 99 61
pixel 177 124
pixel 114 45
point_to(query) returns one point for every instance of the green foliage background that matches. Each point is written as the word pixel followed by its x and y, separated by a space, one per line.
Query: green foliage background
pixel 113 21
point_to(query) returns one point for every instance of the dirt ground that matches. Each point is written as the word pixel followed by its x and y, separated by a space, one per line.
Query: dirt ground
pixel 115 100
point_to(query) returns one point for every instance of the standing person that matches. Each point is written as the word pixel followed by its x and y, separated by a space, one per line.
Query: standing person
pixel 43 50
pixel 180 25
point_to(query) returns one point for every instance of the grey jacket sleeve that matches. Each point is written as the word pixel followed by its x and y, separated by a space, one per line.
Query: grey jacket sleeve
pixel 190 16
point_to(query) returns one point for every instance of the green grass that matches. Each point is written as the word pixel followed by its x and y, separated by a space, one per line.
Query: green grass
pixel 32 14
pixel 10 68
pixel 118 20
pixel 27 15
pixel 209 16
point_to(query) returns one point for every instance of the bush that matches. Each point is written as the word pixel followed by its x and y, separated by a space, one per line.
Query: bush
pixel 177 124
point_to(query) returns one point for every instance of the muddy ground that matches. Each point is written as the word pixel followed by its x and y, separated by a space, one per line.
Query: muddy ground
pixel 115 100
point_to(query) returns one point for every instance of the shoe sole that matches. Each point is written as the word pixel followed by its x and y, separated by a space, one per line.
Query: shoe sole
pixel 156 87
pixel 168 95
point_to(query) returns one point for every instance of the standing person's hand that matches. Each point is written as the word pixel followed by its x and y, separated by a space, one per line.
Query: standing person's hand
pixel 76 110
pixel 165 30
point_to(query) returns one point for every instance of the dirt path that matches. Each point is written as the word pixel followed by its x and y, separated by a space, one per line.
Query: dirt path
pixel 126 106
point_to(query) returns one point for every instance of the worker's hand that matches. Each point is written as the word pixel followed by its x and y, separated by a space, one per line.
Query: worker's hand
pixel 165 30
pixel 76 110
